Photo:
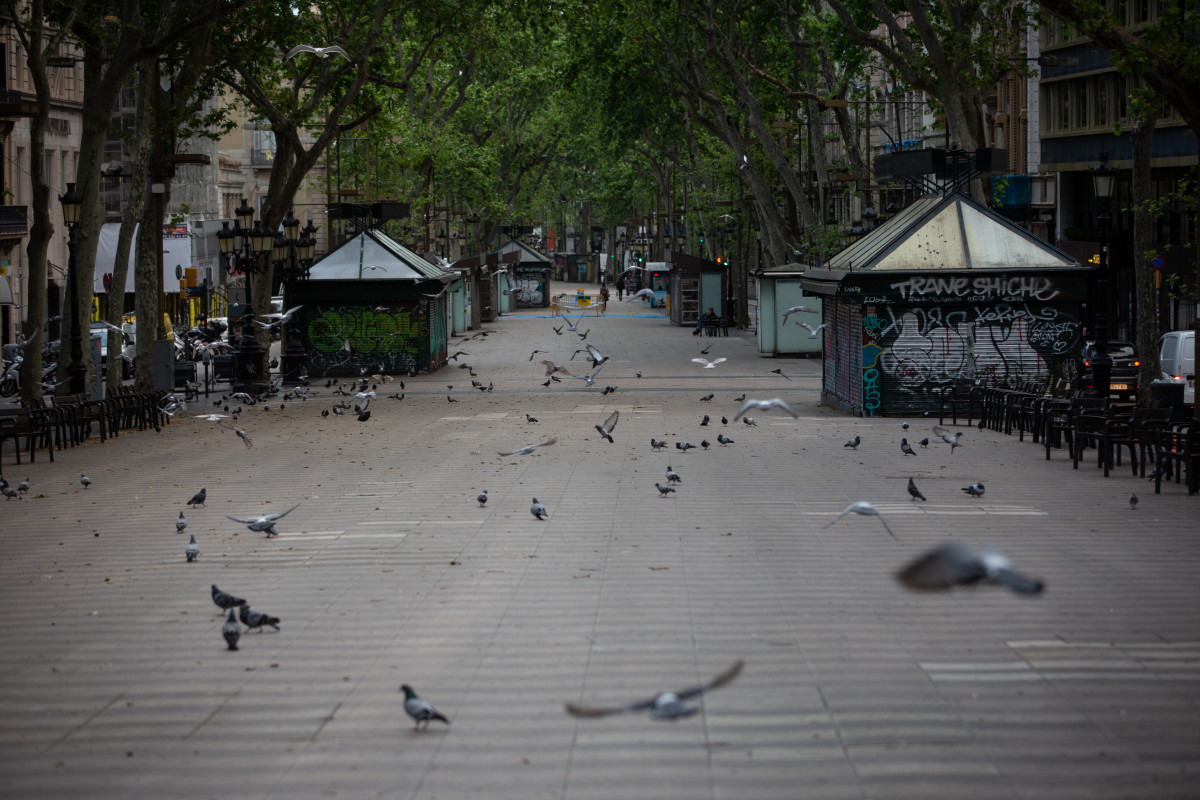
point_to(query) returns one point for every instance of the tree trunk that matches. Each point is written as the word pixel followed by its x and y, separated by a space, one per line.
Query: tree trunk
pixel 1143 236
pixel 39 239
pixel 145 287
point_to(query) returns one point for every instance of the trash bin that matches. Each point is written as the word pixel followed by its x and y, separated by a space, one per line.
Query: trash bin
pixel 1166 394
pixel 162 360
pixel 185 373
pixel 222 367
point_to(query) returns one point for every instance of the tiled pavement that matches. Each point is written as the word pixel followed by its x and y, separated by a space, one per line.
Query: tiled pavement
pixel 114 679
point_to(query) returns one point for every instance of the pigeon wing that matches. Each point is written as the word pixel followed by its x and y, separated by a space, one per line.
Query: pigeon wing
pixel 300 48
pixel 597 357
pixel 611 422
pixel 948 566
pixel 281 514
pixel 749 404
pixel 717 682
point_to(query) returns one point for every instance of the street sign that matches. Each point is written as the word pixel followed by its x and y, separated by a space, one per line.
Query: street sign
pixel 1158 262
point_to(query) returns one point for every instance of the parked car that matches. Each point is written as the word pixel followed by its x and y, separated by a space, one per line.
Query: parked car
pixel 1177 359
pixel 1125 367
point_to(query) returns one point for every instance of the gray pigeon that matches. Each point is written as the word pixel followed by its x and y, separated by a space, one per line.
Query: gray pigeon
pixel 853 443
pixel 231 631
pixel 10 492
pixel 914 491
pixel 1133 501
pixel 607 428
pixel 906 448
pixel 665 705
pixel 264 522
pixel 954 564
pixel 224 600
pixel 949 438
pixel 530 419
pixel 975 489
pixel 657 445
pixel 749 422
pixel 684 446
pixel 192 551
pixel 23 486
pixel 420 710
pixel 198 498
pixel 672 476
pixel 924 442
pixel 664 490
pixel 538 510
pixel 723 440
pixel 482 498
pixel 704 443
pixel 707 398
pixel 866 509
pixel 85 480
pixel 181 523
pixel 256 619
pixel 529 448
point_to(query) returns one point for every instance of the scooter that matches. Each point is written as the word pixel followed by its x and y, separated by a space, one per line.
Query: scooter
pixel 10 380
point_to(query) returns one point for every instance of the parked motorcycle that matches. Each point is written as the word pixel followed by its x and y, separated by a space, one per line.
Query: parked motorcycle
pixel 10 379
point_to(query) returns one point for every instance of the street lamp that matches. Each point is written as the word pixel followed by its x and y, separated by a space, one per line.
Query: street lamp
pixel 292 254
pixel 247 250
pixel 1104 177
pixel 76 369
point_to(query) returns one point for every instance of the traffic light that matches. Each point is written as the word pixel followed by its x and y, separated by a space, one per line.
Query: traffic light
pixel 639 256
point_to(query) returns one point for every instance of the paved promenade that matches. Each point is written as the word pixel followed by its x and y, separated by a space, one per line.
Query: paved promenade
pixel 115 681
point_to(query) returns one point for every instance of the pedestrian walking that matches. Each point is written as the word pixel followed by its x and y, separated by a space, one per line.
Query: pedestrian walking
pixel 621 288
pixel 603 299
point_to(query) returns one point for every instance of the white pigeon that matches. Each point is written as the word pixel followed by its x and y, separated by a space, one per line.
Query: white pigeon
pixel 529 448
pixel 319 52
pixel 709 364
pixel 264 522
pixel 647 293
pixel 813 332
pixel 797 310
pixel 866 509
pixel 765 405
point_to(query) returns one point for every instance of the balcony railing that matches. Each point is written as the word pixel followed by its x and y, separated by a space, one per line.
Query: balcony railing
pixel 14 221
pixel 262 158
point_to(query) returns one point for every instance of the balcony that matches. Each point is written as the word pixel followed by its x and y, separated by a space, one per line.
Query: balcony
pixel 14 221
pixel 262 157
pixel 14 104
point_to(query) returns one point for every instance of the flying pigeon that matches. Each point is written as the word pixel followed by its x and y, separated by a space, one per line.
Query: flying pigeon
pixel 704 352
pixel 723 440
pixel 779 372
pixel 646 293
pixel 590 378
pixel 529 448
pixel 709 364
pixel 949 438
pixel 181 523
pixel 854 443
pixel 975 489
pixel 482 498
pixel 864 508
pixel 663 491
pixel 813 332
pixel 796 310
pixel 85 480
pixel 906 448
pixel 954 564
pixel 364 416
pixel 914 491
pixel 231 631
pixel 192 551
pixel 420 710
pixel 264 522
pixel 198 498
pixel 765 405
pixel 538 510
pixel 224 600
pixel 665 705
pixel 256 619
pixel 607 428
pixel 672 476
pixel 319 52
pixel 597 357
pixel 583 335
pixel 241 433
pixel 552 368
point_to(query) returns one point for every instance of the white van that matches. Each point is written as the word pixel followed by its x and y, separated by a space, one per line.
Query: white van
pixel 1177 355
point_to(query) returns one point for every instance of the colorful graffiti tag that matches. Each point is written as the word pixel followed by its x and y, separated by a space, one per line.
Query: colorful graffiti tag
pixel 347 340
pixel 910 355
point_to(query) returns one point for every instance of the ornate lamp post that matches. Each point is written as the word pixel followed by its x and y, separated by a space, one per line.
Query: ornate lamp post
pixel 76 369
pixel 247 251
pixel 1104 178
pixel 293 253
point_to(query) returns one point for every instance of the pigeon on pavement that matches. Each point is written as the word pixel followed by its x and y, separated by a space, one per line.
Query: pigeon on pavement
pixel 231 631
pixel 482 498
pixel 181 523
pixel 663 491
pixel 672 476
pixel 975 489
pixel 949 438
pixel 665 705
pixel 256 619
pixel 23 486
pixel 853 443
pixel 224 600
pixel 955 564
pixel 723 440
pixel 704 421
pixel 264 522
pixel 529 448
pixel 684 446
pixel 192 551
pixel 765 405
pixel 420 710
pixel 85 480
pixel 709 364
pixel 924 442
pixel 749 422
pixel 530 419
pixel 538 510
pixel 866 509
pixel 198 498
pixel 657 445
pixel 906 448
pixel 914 491
pixel 704 443
pixel 1133 501
pixel 607 428
pixel 10 492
